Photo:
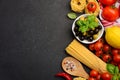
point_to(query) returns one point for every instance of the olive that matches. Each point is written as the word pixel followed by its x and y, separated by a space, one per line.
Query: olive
pixel 76 29
pixel 99 27
pixel 90 32
pixel 96 30
pixel 76 25
pixel 86 37
pixel 81 38
pixel 80 33
pixel 77 33
pixel 90 38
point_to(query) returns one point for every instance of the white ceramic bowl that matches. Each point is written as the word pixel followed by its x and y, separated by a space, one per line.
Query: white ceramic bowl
pixel 86 41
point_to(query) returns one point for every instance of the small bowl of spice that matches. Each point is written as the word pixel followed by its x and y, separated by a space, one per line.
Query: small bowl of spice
pixel 87 28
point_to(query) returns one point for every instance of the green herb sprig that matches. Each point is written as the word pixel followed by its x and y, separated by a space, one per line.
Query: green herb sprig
pixel 114 70
pixel 88 23
pixel 72 15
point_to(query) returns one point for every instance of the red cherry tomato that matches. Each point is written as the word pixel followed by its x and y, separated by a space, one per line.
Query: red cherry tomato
pixel 119 66
pixel 91 6
pixel 119 10
pixel 93 73
pixel 110 13
pixel 98 46
pixel 91 47
pixel 101 40
pixel 106 48
pixel 118 50
pixel 107 2
pixel 116 58
pixel 106 58
pixel 115 52
pixel 91 78
pixel 98 77
pixel 106 76
pixel 114 63
pixel 99 53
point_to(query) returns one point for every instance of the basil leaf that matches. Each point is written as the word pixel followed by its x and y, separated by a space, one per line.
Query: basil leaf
pixel 111 68
pixel 93 25
pixel 96 24
pixel 116 71
pixel 71 15
pixel 83 29
pixel 78 22
pixel 91 18
pixel 115 77
pixel 119 77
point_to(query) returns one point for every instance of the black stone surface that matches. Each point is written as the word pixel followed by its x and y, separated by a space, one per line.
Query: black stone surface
pixel 33 36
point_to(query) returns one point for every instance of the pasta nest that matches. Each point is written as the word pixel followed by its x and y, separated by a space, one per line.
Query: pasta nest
pixel 96 12
pixel 78 5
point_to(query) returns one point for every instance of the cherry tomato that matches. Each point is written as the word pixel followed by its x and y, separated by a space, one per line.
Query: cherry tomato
pixel 91 78
pixel 91 47
pixel 101 40
pixel 114 63
pixel 93 73
pixel 91 6
pixel 116 58
pixel 106 58
pixel 106 48
pixel 99 53
pixel 119 10
pixel 98 46
pixel 115 52
pixel 98 77
pixel 106 76
pixel 119 66
pixel 107 2
pixel 118 50
pixel 110 13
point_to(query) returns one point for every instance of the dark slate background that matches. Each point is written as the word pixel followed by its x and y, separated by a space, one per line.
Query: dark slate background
pixel 33 38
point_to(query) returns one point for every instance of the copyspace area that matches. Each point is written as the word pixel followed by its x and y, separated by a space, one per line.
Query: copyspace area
pixel 33 38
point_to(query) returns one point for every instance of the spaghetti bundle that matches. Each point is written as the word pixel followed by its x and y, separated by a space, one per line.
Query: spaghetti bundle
pixel 78 51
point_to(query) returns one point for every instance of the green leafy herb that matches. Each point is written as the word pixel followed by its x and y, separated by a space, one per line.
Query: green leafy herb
pixel 83 29
pixel 110 68
pixel 119 76
pixel 91 18
pixel 115 77
pixel 79 22
pixel 88 23
pixel 114 70
pixel 72 15
pixel 92 25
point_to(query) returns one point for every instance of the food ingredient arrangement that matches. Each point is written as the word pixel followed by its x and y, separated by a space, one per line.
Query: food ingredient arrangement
pixel 87 28
pixel 102 57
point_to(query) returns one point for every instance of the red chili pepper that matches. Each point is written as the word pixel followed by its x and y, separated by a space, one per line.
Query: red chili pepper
pixel 64 75
pixel 119 10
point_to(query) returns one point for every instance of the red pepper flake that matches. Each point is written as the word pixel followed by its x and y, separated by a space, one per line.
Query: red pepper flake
pixel 69 65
